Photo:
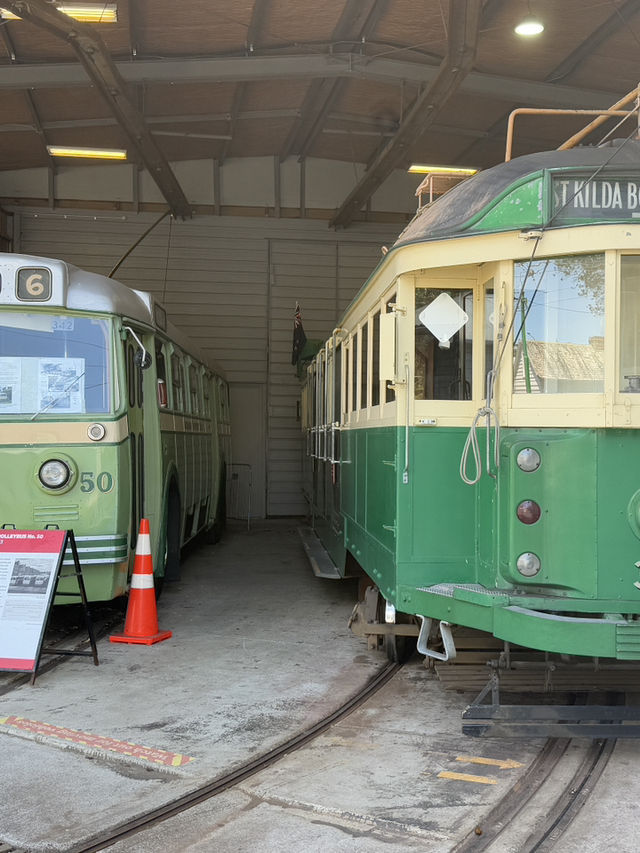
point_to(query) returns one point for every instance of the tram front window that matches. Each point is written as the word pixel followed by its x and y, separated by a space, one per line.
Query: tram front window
pixel 54 364
pixel 629 379
pixel 443 344
pixel 559 325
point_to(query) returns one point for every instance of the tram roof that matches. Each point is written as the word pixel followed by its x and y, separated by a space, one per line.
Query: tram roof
pixel 450 214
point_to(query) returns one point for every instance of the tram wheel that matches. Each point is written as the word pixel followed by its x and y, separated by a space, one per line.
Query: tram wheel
pixel 397 648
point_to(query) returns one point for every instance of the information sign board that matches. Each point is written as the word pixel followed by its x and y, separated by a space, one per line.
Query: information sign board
pixel 30 562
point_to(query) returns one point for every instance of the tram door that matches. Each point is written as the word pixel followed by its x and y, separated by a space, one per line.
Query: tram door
pixel 328 521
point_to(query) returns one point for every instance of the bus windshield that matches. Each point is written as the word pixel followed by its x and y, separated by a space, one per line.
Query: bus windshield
pixel 54 364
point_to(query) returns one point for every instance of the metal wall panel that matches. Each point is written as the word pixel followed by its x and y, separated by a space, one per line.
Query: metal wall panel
pixel 231 283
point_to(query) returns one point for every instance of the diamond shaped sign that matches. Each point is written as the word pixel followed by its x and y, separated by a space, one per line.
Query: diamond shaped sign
pixel 443 317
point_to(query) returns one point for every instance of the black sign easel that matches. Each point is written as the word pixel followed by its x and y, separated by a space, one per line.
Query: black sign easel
pixel 69 542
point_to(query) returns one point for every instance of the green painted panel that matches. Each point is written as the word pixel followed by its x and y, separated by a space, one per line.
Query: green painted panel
pixel 618 514
pixel 565 487
pixel 520 207
pixel 436 511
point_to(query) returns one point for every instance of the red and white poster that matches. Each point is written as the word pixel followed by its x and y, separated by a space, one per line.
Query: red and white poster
pixel 29 561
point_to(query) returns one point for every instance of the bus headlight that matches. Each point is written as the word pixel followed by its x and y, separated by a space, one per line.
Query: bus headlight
pixel 528 564
pixel 54 474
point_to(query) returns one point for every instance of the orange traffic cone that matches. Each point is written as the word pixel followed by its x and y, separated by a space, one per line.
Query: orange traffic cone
pixel 141 624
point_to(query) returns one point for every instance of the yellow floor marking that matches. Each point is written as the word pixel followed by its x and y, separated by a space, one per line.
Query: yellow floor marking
pixel 467 777
pixel 506 764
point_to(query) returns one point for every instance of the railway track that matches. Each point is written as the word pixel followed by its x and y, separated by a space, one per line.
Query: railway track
pixel 222 783
pixel 546 820
pixel 547 817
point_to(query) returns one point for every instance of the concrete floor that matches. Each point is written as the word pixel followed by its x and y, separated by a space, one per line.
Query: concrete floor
pixel 260 649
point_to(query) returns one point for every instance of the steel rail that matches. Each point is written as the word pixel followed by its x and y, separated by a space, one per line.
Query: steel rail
pixel 558 818
pixel 222 783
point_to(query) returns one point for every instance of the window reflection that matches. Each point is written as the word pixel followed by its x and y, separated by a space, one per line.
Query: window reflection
pixel 559 325
pixel 443 362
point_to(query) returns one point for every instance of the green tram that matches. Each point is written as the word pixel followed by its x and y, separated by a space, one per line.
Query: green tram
pixel 473 425
pixel 107 415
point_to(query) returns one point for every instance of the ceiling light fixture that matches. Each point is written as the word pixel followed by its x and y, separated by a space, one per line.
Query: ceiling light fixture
pixel 418 169
pixel 89 153
pixel 96 13
pixel 529 26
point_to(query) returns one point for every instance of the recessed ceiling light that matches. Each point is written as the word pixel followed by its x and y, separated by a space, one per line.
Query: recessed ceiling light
pixel 90 153
pixel 530 26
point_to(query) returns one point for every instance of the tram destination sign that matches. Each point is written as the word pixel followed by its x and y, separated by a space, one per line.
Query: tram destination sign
pixel 595 199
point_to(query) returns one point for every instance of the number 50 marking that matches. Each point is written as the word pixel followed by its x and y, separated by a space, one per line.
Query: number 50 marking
pixel 104 481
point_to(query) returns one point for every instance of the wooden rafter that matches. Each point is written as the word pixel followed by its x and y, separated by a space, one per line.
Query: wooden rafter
pixel 358 21
pixel 464 19
pixel 101 70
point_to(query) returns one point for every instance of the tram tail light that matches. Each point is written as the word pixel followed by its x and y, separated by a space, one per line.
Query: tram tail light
pixel 528 512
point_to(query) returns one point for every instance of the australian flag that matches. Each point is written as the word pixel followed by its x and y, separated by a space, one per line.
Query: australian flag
pixel 299 337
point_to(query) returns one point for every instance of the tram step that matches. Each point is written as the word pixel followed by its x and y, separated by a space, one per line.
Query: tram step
pixel 321 563
pixel 538 679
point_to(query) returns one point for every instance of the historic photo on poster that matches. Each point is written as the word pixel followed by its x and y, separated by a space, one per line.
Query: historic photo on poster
pixel 29 563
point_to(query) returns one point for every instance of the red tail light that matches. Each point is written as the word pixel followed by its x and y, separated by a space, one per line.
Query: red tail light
pixel 528 512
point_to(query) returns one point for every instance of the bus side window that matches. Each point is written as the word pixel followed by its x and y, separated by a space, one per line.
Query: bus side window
pixel 194 390
pixel 177 382
pixel 206 394
pixel 161 370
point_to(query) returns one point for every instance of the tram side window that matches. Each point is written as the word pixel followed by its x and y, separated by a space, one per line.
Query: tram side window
pixel 390 394
pixel 443 344
pixel 346 399
pixel 177 382
pixel 559 325
pixel 629 379
pixel 375 361
pixel 364 365
pixel 489 321
pixel 355 355
pixel 337 382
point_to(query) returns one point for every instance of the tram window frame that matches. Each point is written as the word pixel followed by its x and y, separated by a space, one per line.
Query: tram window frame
pixel 545 272
pixel 337 381
pixel 355 372
pixel 375 357
pixel 346 399
pixel 463 286
pixel 488 289
pixel 364 372
pixel 390 392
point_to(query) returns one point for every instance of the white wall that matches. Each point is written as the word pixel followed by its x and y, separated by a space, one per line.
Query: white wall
pixel 246 182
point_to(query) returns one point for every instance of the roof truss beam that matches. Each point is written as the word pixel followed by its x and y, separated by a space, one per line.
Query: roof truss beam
pixel 464 20
pixel 390 71
pixel 101 70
